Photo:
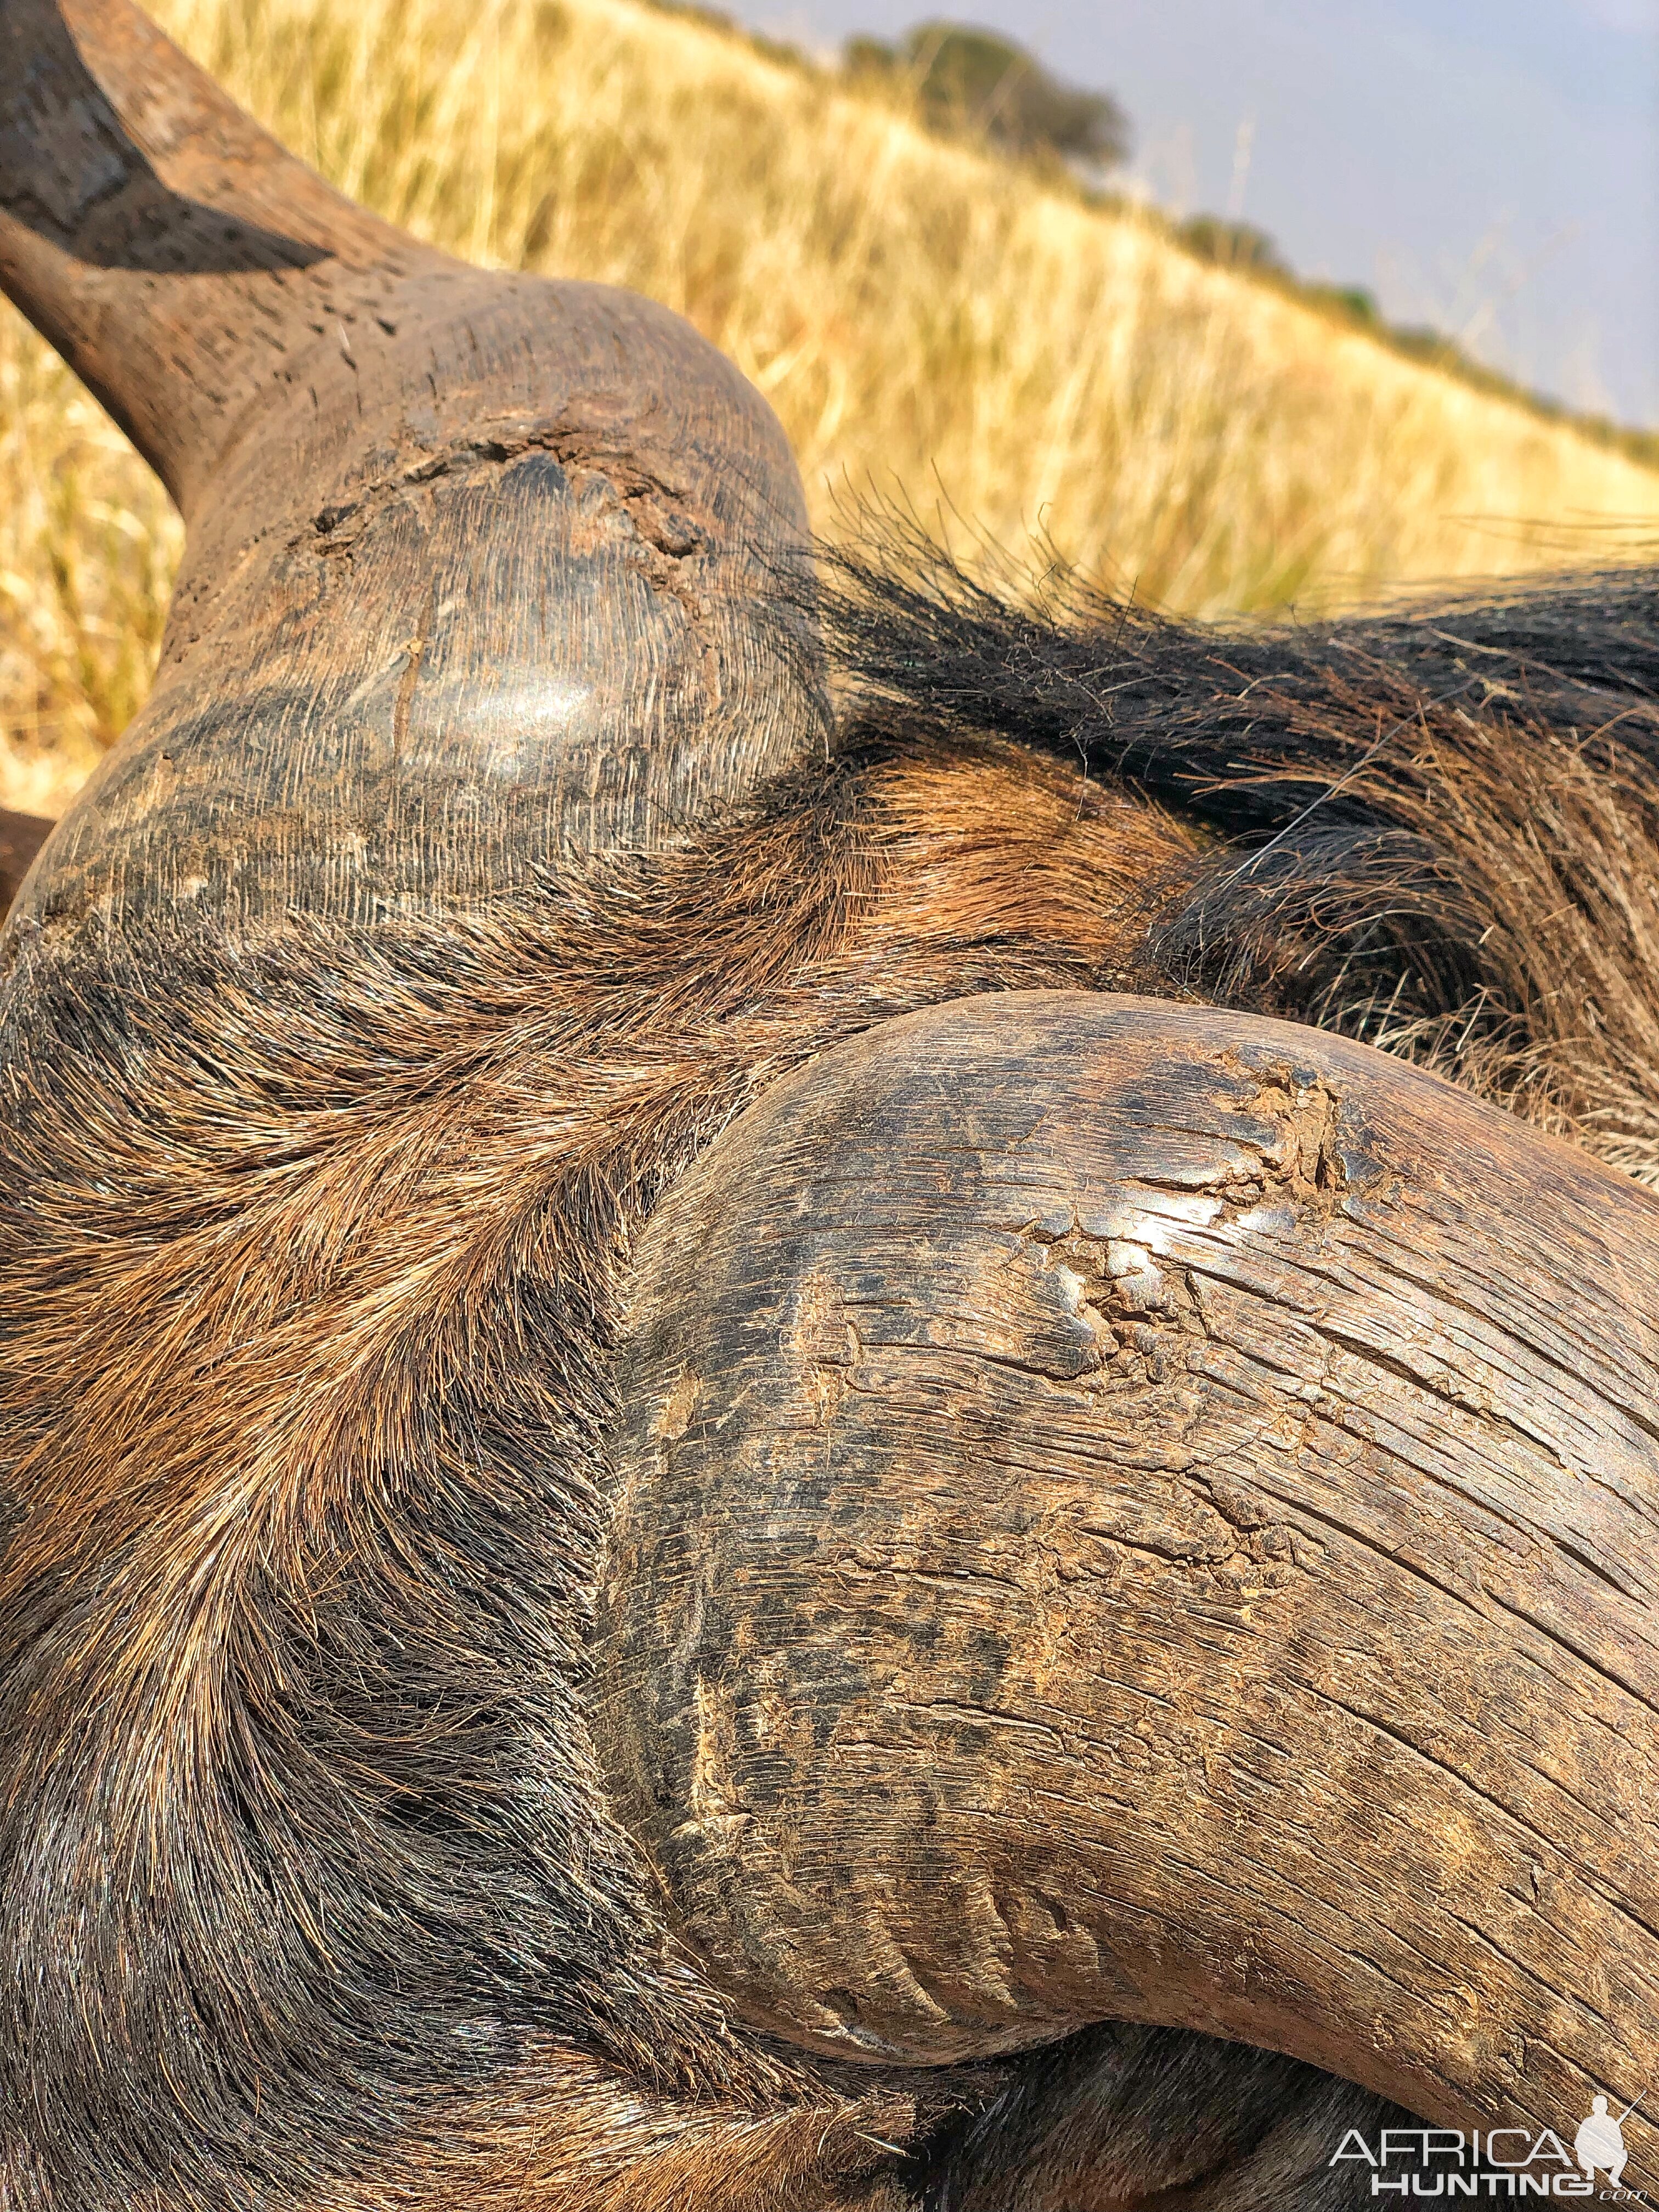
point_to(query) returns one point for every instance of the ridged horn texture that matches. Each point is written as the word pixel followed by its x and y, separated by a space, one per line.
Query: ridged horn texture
pixel 1145 1511
pixel 478 564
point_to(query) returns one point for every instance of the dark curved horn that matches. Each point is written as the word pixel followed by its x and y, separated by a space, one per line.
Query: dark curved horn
pixel 1135 1510
pixel 476 562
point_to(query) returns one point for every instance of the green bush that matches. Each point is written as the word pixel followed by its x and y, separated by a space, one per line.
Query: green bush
pixel 973 81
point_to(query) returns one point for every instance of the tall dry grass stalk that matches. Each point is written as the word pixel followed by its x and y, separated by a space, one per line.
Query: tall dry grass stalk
pixel 929 324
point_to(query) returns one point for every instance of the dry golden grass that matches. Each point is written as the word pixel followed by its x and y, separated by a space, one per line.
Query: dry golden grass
pixel 927 323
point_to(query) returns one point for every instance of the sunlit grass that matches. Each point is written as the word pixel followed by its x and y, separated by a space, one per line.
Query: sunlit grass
pixel 929 324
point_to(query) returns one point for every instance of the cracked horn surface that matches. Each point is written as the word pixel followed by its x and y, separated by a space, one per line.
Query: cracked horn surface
pixel 1139 1511
pixel 482 568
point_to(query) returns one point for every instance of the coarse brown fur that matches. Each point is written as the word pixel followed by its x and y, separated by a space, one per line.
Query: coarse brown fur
pixel 1435 830
pixel 312 1248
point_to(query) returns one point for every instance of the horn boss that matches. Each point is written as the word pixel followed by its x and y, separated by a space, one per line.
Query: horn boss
pixel 1137 1510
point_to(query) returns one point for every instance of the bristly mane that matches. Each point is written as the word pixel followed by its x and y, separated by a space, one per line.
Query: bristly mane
pixel 311 1250
pixel 1436 832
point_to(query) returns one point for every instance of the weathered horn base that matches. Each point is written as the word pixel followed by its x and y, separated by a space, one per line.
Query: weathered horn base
pixel 1123 1511
pixel 483 569
pixel 519 580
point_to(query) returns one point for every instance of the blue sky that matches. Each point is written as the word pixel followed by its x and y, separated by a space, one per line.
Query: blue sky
pixel 1491 166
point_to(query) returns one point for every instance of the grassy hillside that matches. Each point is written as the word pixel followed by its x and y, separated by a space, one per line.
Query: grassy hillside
pixel 930 324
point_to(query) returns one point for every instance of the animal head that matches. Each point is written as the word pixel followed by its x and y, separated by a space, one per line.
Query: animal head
pixel 815 1391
